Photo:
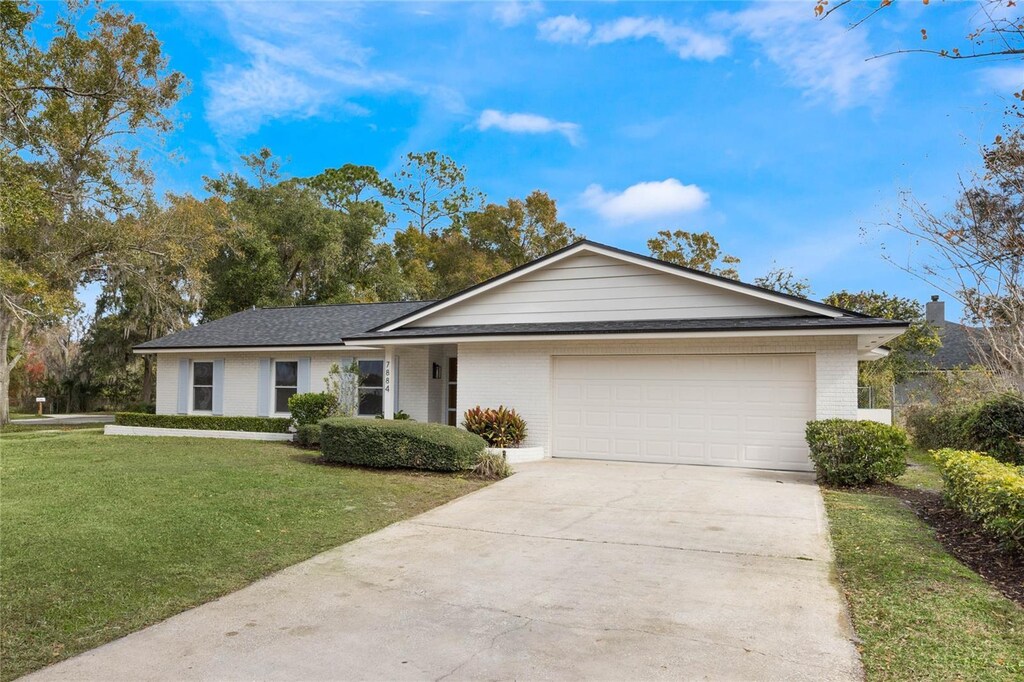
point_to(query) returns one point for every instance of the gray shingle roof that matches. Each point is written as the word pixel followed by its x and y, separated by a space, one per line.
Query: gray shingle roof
pixel 627 326
pixel 318 325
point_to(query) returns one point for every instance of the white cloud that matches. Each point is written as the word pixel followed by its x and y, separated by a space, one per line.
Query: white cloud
pixel 683 41
pixel 510 14
pixel 825 59
pixel 528 124
pixel 296 62
pixel 645 200
pixel 564 29
pixel 1006 79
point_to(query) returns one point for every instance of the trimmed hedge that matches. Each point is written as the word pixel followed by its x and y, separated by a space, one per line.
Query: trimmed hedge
pixel 389 444
pixel 994 426
pixel 308 435
pixel 310 408
pixel 852 453
pixel 204 422
pixel 986 490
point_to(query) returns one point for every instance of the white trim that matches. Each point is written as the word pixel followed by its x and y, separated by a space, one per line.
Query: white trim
pixel 883 335
pixel 808 306
pixel 517 455
pixel 118 430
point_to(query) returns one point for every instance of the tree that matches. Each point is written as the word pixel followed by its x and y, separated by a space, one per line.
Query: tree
pixel 996 27
pixel 73 111
pixel 696 250
pixel 975 253
pixel 152 295
pixel 783 280
pixel 300 241
pixel 521 230
pixel 430 191
pixel 908 353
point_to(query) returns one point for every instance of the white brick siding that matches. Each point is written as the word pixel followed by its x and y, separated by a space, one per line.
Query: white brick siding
pixel 518 374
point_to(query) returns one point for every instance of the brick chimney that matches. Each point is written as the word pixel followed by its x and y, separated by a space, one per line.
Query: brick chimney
pixel 935 312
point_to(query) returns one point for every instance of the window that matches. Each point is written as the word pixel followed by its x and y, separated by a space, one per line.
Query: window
pixel 202 386
pixel 371 387
pixel 453 390
pixel 286 384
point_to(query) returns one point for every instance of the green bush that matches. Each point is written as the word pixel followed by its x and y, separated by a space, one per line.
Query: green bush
pixel 391 444
pixel 932 426
pixel 986 490
pixel 311 408
pixel 994 426
pixel 145 408
pixel 501 428
pixel 308 435
pixel 205 422
pixel 852 453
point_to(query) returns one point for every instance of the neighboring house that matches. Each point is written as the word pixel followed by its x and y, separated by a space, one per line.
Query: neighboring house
pixel 958 349
pixel 607 354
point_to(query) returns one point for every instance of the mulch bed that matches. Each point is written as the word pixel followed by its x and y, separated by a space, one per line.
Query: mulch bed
pixel 964 539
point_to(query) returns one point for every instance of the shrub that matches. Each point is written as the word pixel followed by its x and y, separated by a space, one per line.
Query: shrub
pixel 492 467
pixel 205 422
pixel 933 426
pixel 145 408
pixel 310 408
pixel 391 444
pixel 308 435
pixel 986 490
pixel 848 452
pixel 996 427
pixel 399 415
pixel 501 428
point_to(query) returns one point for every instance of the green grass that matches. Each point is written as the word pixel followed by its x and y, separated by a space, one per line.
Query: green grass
pixel 104 535
pixel 922 472
pixel 920 613
pixel 26 415
pixel 56 426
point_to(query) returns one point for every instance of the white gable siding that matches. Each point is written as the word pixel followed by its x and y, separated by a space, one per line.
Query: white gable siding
pixel 593 287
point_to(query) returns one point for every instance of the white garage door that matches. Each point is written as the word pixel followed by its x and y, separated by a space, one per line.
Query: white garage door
pixel 723 410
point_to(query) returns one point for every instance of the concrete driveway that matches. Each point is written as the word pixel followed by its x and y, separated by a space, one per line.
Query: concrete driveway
pixel 568 570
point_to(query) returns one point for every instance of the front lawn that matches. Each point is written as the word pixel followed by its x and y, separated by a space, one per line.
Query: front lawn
pixel 920 614
pixel 104 535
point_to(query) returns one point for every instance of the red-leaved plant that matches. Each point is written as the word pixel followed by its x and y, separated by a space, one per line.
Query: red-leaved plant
pixel 501 428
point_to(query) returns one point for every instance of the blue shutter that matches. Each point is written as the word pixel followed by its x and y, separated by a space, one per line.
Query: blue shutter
pixel 303 385
pixel 218 387
pixel 183 385
pixel 263 389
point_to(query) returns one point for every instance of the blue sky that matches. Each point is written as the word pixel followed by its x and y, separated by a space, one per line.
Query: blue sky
pixel 756 122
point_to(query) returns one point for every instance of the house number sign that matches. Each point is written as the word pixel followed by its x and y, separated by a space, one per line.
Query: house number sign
pixel 387 376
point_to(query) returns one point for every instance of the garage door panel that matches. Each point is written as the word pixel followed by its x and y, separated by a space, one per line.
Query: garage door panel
pixel 728 410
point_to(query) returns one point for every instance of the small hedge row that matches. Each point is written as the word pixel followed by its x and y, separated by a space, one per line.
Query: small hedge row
pixel 854 453
pixel 994 426
pixel 988 491
pixel 308 435
pixel 204 422
pixel 390 444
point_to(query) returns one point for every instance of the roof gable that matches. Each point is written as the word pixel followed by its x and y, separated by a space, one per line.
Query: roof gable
pixel 590 282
